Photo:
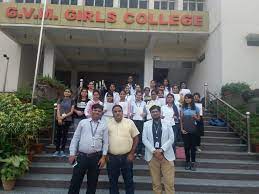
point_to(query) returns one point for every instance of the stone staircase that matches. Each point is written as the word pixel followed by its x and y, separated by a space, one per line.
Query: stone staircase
pixel 224 166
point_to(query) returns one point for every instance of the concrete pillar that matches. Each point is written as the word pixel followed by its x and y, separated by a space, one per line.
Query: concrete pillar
pixel 49 61
pixel 80 2
pixel 151 4
pixel 148 67
pixel 73 80
pixel 115 3
pixel 179 5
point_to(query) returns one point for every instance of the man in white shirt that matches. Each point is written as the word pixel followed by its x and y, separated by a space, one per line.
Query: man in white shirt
pixel 158 138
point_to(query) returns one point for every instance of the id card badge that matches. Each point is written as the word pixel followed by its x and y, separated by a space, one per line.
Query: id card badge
pixel 93 143
pixel 157 145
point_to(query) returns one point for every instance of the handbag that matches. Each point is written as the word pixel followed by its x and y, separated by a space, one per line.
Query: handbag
pixel 180 153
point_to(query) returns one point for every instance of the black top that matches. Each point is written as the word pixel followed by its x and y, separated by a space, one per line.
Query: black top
pixel 80 106
pixel 157 133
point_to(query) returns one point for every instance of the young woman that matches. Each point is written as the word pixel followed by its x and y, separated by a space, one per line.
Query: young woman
pixel 152 85
pixel 146 95
pixel 80 104
pixel 167 86
pixel 65 109
pixel 152 102
pixel 95 100
pixel 170 113
pixel 200 124
pixel 161 97
pixel 138 117
pixel 90 90
pixel 124 104
pixel 107 107
pixel 190 114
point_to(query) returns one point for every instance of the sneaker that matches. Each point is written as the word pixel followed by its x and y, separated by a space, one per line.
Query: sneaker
pixel 193 166
pixel 139 155
pixel 62 154
pixel 138 158
pixel 198 149
pixel 56 153
pixel 187 166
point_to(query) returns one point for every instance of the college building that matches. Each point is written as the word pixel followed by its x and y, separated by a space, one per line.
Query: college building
pixel 197 41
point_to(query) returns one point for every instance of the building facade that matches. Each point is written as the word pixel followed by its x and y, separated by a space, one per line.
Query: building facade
pixel 196 41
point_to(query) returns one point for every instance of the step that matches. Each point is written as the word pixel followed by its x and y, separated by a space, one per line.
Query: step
pixel 202 163
pixel 223 147
pixel 226 155
pixel 211 133
pixel 143 170
pixel 226 140
pixel 144 183
pixel 41 190
pixel 214 128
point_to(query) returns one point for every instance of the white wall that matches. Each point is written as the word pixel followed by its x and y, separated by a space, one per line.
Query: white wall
pixel 13 50
pixel 240 62
pixel 28 62
pixel 210 70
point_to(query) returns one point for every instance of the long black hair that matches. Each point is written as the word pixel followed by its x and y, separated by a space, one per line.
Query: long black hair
pixel 176 111
pixel 168 86
pixel 185 105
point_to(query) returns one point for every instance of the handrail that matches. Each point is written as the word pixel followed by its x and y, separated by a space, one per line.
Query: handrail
pixel 243 130
pixel 231 107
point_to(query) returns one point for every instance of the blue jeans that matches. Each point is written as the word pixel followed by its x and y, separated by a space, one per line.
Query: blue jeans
pixel 115 165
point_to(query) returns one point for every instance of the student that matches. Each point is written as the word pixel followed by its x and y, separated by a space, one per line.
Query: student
pixel 161 97
pixel 152 102
pixel 116 96
pixel 167 86
pixel 137 89
pixel 200 124
pixel 162 88
pixel 146 95
pixel 131 85
pixel 170 113
pixel 95 100
pixel 65 109
pixel 90 90
pixel 107 107
pixel 177 98
pixel 128 94
pixel 124 104
pixel 152 85
pixel 80 104
pixel 138 116
pixel 158 138
pixel 190 114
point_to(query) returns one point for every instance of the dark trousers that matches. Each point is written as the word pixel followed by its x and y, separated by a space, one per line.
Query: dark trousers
pixel 190 142
pixel 176 129
pixel 115 165
pixel 84 165
pixel 139 125
pixel 62 131
pixel 200 128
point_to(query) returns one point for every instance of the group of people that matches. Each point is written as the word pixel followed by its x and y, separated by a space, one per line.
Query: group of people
pixel 114 128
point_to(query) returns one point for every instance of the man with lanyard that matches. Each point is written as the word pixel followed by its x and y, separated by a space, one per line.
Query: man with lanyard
pixel 123 140
pixel 88 150
pixel 158 138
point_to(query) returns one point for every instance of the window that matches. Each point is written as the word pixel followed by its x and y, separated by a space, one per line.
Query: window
pixel 99 3
pixel 26 1
pixel 64 2
pixel 164 4
pixel 143 4
pixel 193 5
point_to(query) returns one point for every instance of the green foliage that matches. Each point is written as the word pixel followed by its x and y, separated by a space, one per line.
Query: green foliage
pixel 48 107
pixel 52 82
pixel 235 88
pixel 24 94
pixel 19 123
pixel 14 167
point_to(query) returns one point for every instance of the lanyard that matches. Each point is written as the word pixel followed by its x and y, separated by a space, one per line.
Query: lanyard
pixel 156 127
pixel 93 132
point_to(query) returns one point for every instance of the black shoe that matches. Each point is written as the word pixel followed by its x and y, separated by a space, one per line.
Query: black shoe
pixel 193 166
pixel 187 166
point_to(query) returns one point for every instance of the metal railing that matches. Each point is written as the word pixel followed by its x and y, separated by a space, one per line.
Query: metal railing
pixel 238 122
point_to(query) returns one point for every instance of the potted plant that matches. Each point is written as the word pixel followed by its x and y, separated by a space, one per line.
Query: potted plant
pixel 12 168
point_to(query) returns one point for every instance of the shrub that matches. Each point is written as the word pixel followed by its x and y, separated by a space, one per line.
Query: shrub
pixel 235 88
pixel 52 82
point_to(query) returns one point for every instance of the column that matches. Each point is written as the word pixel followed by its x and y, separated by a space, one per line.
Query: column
pixel 73 82
pixel 179 5
pixel 151 4
pixel 49 61
pixel 148 67
pixel 80 2
pixel 115 3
